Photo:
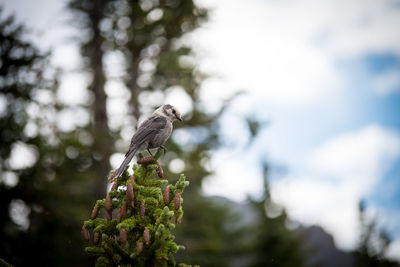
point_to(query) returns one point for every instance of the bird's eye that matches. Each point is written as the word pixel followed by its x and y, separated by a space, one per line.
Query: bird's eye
pixel 173 111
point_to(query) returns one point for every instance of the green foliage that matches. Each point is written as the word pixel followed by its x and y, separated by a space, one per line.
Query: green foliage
pixel 51 188
pixel 88 16
pixel 20 79
pixel 373 243
pixel 3 263
pixel 273 243
pixel 148 210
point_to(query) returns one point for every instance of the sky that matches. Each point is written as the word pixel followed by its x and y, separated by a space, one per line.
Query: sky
pixel 324 75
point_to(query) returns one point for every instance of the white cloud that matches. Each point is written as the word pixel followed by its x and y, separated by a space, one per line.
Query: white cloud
pixel 286 51
pixel 233 178
pixel 315 201
pixel 359 157
pixel 360 26
pixel 262 53
pixel 340 173
pixel 394 250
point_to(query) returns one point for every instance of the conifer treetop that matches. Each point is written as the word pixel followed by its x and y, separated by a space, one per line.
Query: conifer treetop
pixel 140 212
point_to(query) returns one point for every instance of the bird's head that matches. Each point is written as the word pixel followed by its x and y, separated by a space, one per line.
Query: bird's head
pixel 169 112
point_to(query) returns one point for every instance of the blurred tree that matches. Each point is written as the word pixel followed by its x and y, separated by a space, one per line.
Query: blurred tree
pixel 40 210
pixel 373 242
pixel 273 243
pixel 88 16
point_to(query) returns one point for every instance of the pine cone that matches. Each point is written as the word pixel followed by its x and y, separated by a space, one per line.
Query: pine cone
pixel 160 171
pixel 166 195
pixel 96 238
pixel 146 236
pixel 177 200
pixel 119 216
pixel 179 218
pixel 95 211
pixel 122 237
pixel 139 248
pixel 108 206
pixel 130 195
pixel 115 186
pixel 123 211
pixel 85 234
pixel 146 160
pixel 142 209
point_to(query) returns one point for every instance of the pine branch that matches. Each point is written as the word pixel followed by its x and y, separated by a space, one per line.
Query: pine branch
pixel 140 212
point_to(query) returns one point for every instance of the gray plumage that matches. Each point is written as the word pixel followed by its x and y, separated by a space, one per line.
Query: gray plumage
pixel 152 133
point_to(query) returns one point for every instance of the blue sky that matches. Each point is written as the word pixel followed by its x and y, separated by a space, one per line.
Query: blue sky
pixel 324 74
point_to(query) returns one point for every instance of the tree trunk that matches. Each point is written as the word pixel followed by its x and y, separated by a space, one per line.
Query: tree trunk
pixel 134 88
pixel 103 146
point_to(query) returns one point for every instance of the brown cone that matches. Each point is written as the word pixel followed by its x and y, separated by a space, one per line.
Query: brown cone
pixel 142 209
pixel 119 216
pixel 96 238
pixel 95 211
pixel 122 237
pixel 146 236
pixel 115 186
pixel 108 206
pixel 130 195
pixel 123 211
pixel 146 160
pixel 179 218
pixel 177 200
pixel 139 248
pixel 166 195
pixel 85 234
pixel 107 203
pixel 160 171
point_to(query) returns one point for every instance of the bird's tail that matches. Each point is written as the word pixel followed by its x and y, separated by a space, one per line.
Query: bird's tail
pixel 126 161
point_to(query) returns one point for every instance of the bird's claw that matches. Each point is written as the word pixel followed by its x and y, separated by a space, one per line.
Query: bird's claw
pixel 163 148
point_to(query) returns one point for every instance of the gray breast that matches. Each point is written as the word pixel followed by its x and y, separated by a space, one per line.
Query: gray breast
pixel 161 136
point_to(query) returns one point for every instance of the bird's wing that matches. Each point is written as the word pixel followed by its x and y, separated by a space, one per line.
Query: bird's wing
pixel 147 130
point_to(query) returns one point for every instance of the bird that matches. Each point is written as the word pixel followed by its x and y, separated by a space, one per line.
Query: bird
pixel 152 133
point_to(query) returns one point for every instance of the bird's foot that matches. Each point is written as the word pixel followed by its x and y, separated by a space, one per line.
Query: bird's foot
pixel 149 151
pixel 163 148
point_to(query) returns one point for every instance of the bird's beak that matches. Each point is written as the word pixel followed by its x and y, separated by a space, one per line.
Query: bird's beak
pixel 178 117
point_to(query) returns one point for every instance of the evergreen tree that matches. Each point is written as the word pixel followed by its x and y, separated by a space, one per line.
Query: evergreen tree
pixel 88 16
pixel 373 243
pixel 40 209
pixel 274 244
pixel 140 235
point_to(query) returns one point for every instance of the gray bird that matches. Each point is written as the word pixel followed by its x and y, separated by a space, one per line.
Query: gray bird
pixel 152 133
